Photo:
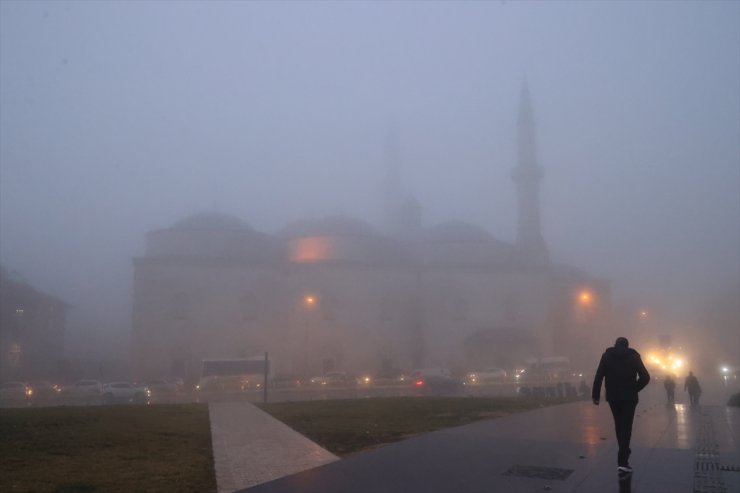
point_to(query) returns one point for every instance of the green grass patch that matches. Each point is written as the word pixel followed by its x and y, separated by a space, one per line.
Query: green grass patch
pixel 163 448
pixel 345 427
pixel 167 448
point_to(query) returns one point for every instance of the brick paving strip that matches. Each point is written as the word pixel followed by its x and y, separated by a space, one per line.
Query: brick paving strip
pixel 251 447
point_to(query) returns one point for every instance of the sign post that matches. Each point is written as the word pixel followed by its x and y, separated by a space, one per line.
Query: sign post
pixel 264 383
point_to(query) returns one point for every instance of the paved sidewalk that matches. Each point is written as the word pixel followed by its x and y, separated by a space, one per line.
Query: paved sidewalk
pixel 567 448
pixel 251 447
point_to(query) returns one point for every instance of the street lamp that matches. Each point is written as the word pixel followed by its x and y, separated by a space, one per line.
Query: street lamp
pixel 309 302
pixel 585 297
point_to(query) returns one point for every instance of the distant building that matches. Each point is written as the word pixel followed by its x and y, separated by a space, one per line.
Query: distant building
pixel 32 326
pixel 336 294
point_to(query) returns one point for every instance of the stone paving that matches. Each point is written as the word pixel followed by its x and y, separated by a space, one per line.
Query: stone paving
pixel 568 448
pixel 251 447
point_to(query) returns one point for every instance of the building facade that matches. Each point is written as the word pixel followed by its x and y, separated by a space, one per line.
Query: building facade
pixel 337 294
pixel 32 327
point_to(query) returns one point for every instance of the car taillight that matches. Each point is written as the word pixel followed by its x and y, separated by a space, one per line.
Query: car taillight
pixel 419 383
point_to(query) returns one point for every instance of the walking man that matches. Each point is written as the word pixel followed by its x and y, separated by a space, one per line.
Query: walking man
pixel 691 384
pixel 625 375
pixel 670 386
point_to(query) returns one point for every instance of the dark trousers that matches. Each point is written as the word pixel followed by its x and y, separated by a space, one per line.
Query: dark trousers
pixel 624 415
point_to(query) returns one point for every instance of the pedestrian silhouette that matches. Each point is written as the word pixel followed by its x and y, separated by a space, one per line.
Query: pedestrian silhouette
pixel 691 385
pixel 624 373
pixel 670 386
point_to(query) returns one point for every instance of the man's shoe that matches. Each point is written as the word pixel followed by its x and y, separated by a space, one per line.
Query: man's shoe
pixel 624 469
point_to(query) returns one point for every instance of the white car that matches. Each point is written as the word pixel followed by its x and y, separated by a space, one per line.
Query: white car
pixel 85 388
pixel 489 375
pixel 125 392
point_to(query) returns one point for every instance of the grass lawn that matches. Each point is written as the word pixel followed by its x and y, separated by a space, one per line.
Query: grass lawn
pixel 345 427
pixel 167 448
pixel 106 449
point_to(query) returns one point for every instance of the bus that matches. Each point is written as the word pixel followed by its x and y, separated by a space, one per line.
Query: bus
pixel 233 374
pixel 549 368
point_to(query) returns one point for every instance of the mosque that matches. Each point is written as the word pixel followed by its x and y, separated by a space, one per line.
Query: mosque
pixel 338 294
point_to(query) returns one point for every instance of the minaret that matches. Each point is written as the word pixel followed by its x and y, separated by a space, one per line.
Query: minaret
pixel 527 175
pixel 401 211
pixel 392 191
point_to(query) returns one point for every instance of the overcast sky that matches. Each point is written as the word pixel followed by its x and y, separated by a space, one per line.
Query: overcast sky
pixel 117 118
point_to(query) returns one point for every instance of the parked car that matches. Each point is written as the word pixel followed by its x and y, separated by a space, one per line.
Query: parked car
pixel 115 392
pixel 435 381
pixel 161 389
pixel 84 389
pixel 486 376
pixel 15 393
pixel 338 379
pixel 44 391
pixel 317 381
pixel 177 383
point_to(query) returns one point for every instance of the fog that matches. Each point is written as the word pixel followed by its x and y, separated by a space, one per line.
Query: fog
pixel 120 118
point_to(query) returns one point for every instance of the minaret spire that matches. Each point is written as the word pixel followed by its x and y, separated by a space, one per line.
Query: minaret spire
pixel 527 175
pixel 402 212
pixel 392 182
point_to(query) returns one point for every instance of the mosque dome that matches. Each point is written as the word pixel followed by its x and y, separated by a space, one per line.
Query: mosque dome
pixel 211 220
pixel 212 234
pixel 338 239
pixel 334 226
pixel 458 242
pixel 457 231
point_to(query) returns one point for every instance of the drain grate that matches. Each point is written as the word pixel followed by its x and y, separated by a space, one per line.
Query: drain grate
pixel 539 472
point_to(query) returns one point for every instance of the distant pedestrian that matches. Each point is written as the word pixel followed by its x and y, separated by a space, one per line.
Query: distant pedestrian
pixel 691 385
pixel 670 386
pixel 625 375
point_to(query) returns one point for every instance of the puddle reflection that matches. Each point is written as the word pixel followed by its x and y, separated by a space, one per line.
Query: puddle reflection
pixel 682 434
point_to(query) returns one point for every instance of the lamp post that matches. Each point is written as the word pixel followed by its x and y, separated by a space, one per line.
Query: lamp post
pixel 309 303
pixel 584 305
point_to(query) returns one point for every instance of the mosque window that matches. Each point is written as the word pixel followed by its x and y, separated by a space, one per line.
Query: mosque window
pixel 180 306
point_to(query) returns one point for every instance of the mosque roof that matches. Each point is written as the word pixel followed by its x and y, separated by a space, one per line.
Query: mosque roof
pixel 343 226
pixel 213 221
pixel 458 231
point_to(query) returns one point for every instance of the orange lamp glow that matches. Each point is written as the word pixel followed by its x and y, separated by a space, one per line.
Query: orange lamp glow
pixel 585 297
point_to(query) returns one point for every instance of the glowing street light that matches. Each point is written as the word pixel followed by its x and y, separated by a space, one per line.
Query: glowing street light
pixel 309 300
pixel 585 297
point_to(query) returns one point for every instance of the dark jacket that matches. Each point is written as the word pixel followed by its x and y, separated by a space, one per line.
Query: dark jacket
pixel 624 372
